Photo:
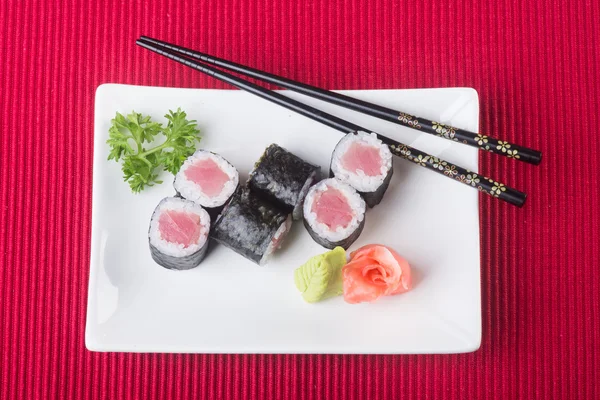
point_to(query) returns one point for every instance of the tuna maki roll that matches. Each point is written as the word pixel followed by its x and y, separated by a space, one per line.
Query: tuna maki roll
pixel 364 162
pixel 283 179
pixel 334 213
pixel 208 179
pixel 251 227
pixel 178 233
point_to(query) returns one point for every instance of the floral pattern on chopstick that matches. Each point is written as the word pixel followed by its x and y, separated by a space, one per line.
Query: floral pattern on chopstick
pixel 481 183
pixel 445 131
pixel 409 120
pixel 484 142
pixel 402 151
pixel 503 146
pixel 481 140
pixel 496 146
pixel 513 153
pixel 436 163
pixel 497 188
pixel 422 161
pixel 450 170
pixel 471 179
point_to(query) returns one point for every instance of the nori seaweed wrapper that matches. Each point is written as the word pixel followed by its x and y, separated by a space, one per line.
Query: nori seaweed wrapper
pixel 345 243
pixel 178 263
pixel 213 212
pixel 247 225
pixel 283 179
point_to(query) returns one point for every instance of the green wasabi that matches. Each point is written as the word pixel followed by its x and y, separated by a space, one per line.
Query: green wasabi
pixel 321 277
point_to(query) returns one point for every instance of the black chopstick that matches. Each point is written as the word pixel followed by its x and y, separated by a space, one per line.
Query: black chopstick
pixel 478 140
pixel 452 171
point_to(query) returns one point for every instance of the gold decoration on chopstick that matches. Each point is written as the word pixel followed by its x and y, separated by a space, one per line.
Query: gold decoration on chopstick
pixel 437 163
pixel 503 146
pixel 450 170
pixel 470 178
pixel 422 161
pixel 451 133
pixel 507 149
pixel 409 120
pixel 497 188
pixel 481 139
pixel 444 131
pixel 403 150
pixel 513 154
pixel 480 182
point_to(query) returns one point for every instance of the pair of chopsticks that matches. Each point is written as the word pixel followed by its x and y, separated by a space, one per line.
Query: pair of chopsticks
pixel 199 61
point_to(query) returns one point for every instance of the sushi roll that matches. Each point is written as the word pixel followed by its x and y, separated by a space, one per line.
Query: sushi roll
pixel 178 233
pixel 364 162
pixel 208 179
pixel 251 227
pixel 283 179
pixel 334 213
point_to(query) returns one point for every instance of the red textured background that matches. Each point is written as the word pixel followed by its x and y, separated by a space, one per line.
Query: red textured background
pixel 536 67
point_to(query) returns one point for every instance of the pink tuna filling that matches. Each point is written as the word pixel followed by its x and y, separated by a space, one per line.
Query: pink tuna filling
pixel 332 208
pixel 179 227
pixel 208 175
pixel 362 157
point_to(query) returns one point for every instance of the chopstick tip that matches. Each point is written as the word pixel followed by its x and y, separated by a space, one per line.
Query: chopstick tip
pixel 143 43
pixel 520 201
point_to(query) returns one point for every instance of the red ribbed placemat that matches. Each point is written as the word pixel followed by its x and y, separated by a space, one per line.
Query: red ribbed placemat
pixel 535 66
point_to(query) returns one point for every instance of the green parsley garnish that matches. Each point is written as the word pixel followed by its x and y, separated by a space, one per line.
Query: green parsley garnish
pixel 140 165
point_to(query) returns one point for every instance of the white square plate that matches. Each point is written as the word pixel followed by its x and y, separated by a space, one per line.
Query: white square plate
pixel 228 304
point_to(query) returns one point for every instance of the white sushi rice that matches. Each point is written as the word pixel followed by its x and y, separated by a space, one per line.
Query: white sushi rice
pixel 359 180
pixel 355 201
pixel 277 240
pixel 175 249
pixel 192 191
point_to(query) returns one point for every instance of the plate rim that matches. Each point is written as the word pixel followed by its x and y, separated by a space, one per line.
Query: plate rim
pixel 93 344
